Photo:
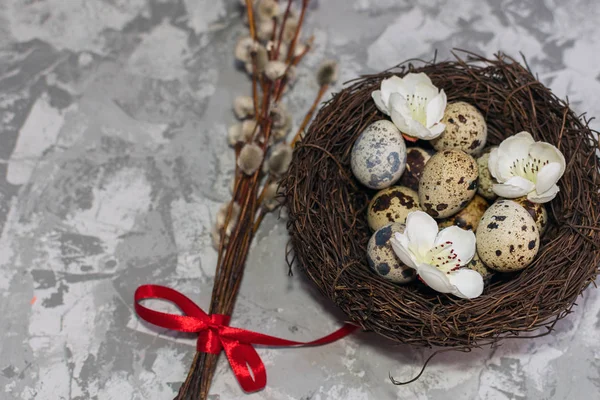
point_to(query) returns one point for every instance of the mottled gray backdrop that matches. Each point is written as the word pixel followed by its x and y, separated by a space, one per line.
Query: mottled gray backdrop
pixel 113 116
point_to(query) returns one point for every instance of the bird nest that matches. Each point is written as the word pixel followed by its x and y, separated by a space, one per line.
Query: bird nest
pixel 328 218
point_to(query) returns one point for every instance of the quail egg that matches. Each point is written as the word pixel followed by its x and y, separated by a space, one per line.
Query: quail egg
pixel 465 130
pixel 416 158
pixel 467 218
pixel 486 180
pixel 477 265
pixel 508 238
pixel 378 156
pixel 392 205
pixel 448 184
pixel 382 258
pixel 537 211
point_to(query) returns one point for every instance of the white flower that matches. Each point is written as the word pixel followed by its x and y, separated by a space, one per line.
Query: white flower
pixel 439 257
pixel 414 103
pixel 523 166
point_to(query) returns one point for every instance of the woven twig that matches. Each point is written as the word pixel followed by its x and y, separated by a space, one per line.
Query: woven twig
pixel 329 231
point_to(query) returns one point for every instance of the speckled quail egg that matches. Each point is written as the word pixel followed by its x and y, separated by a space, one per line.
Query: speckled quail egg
pixel 416 158
pixel 537 211
pixel 468 218
pixel 508 238
pixel 378 157
pixel 392 205
pixel 486 180
pixel 448 184
pixel 477 265
pixel 465 130
pixel 382 258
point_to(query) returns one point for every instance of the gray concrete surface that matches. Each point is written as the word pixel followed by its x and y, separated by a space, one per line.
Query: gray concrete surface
pixel 114 161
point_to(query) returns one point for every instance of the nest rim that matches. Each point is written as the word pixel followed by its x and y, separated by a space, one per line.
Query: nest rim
pixel 327 212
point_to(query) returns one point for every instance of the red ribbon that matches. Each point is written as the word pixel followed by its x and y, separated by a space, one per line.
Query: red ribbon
pixel 215 334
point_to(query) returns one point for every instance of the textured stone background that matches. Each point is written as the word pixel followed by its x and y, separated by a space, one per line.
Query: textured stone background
pixel 113 163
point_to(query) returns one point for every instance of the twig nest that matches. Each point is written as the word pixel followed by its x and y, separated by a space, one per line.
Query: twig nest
pixel 272 199
pixel 508 238
pixel 392 205
pixel 244 48
pixel 465 130
pixel 378 156
pixel 416 158
pixel 275 69
pixel 468 218
pixel 383 260
pixel 448 184
pixel 537 211
pixel 327 73
pixel 280 159
pixel 261 59
pixel 243 106
pixel 477 265
pixel 250 158
pixel 486 180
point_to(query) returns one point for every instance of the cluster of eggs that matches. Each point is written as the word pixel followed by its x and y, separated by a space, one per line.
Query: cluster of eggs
pixel 448 178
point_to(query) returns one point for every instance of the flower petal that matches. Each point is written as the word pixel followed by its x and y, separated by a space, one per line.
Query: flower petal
pixel 514 187
pixel 389 86
pixel 545 197
pixel 410 82
pixel 463 243
pixel 511 149
pixel 436 108
pixel 399 120
pixel 418 130
pixel 435 279
pixel 517 146
pixel 467 284
pixel 426 91
pixel 546 152
pixel 376 95
pixel 421 230
pixel 547 177
pixel 436 130
pixel 400 112
pixel 493 162
pixel 402 252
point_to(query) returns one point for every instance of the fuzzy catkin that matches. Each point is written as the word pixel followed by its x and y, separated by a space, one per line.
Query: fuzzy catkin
pixel 250 158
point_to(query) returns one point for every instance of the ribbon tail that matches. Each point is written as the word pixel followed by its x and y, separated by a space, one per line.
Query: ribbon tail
pixel 246 364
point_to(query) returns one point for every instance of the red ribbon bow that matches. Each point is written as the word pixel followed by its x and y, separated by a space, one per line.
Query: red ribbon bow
pixel 215 334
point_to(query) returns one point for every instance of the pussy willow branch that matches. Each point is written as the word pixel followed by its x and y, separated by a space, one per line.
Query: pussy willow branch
pixel 232 256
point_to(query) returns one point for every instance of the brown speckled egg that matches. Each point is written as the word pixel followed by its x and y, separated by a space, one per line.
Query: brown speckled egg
pixel 448 184
pixel 537 211
pixel 468 218
pixel 382 258
pixel 486 180
pixel 508 238
pixel 392 205
pixel 477 265
pixel 466 129
pixel 378 157
pixel 416 158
